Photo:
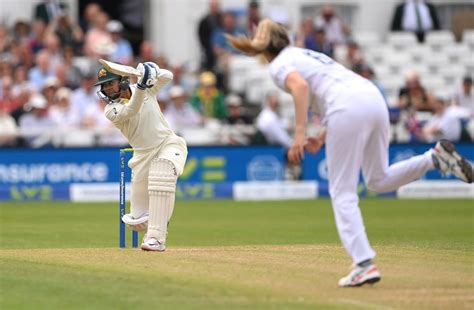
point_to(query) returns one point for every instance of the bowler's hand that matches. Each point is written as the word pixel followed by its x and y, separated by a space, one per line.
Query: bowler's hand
pixel 296 151
pixel 313 144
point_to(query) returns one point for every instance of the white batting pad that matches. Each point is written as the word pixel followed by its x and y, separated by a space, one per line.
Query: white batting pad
pixel 161 189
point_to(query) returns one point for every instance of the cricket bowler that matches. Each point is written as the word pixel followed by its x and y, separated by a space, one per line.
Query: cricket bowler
pixel 159 154
pixel 356 136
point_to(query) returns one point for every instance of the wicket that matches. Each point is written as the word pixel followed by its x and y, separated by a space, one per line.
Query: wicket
pixel 122 202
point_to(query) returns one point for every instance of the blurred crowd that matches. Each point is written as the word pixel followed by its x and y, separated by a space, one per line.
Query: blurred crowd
pixel 48 68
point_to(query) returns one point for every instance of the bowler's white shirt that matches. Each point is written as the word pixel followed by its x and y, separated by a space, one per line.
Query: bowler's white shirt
pixel 327 79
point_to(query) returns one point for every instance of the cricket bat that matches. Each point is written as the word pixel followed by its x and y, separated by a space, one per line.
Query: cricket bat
pixel 119 69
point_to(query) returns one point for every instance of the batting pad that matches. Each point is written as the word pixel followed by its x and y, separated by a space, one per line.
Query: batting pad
pixel 161 189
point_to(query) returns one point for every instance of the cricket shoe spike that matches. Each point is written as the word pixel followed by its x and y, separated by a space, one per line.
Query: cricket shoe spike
pixel 360 276
pixel 152 244
pixel 447 160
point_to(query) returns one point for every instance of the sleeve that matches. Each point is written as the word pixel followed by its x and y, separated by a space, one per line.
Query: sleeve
pixel 117 113
pixel 280 72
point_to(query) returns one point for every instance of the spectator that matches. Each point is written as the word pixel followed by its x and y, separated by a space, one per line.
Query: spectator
pixel 98 40
pixel 253 17
pixel 23 98
pixel 86 94
pixel 91 12
pixel 179 113
pixel 464 97
pixel 51 86
pixel 48 10
pixel 94 119
pixel 72 69
pixel 123 52
pixel 5 39
pixel 37 36
pixel 354 56
pixel 305 38
pixel 68 33
pixel 64 76
pixel 444 124
pixel 335 28
pixel 8 102
pixel 271 125
pixel 208 99
pixel 37 125
pixel 53 47
pixel 21 31
pixel 19 54
pixel 416 16
pixel 321 44
pixel 63 113
pixel 367 72
pixel 147 53
pixel 20 80
pixel 236 117
pixel 38 74
pixel 207 25
pixel 8 129
pixel 178 80
pixel 219 42
pixel 222 48
pixel 413 95
pixel 241 131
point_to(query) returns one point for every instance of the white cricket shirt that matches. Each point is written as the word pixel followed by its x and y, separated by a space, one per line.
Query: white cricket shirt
pixel 326 78
pixel 140 119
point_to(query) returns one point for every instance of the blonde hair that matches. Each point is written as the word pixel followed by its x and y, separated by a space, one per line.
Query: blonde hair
pixel 270 37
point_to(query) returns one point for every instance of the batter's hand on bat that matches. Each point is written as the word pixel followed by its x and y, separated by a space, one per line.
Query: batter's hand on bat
pixel 313 144
pixel 148 76
pixel 296 151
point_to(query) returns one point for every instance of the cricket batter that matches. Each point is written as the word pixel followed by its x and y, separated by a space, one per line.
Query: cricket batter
pixel 356 136
pixel 159 154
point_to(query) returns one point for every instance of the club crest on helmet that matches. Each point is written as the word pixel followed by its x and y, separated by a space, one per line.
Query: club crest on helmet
pixel 102 72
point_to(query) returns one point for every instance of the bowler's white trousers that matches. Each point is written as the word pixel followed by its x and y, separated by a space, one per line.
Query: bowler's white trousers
pixel 358 138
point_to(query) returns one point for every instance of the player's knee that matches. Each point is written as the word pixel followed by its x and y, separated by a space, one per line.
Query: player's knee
pixel 375 186
pixel 162 176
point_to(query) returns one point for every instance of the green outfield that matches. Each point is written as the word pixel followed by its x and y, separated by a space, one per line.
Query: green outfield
pixel 226 254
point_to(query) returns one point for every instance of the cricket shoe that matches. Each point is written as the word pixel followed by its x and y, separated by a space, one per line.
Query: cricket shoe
pixel 447 160
pixel 360 276
pixel 152 244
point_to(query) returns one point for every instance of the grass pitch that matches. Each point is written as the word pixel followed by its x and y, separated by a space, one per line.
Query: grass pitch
pixel 236 255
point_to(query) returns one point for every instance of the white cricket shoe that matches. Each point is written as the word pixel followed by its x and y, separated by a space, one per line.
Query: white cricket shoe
pixel 360 276
pixel 447 160
pixel 152 244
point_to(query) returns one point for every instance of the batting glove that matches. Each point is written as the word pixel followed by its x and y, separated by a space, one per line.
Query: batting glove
pixel 148 76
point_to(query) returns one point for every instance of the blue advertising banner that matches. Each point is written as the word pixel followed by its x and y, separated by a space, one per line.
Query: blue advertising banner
pixel 210 172
pixel 46 174
pixel 314 166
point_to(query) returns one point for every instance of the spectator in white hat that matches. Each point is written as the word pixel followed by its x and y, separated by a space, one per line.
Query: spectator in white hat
pixel 179 112
pixel 63 113
pixel 37 126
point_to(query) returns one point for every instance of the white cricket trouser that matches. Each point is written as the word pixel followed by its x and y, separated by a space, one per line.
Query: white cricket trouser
pixel 173 149
pixel 358 137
